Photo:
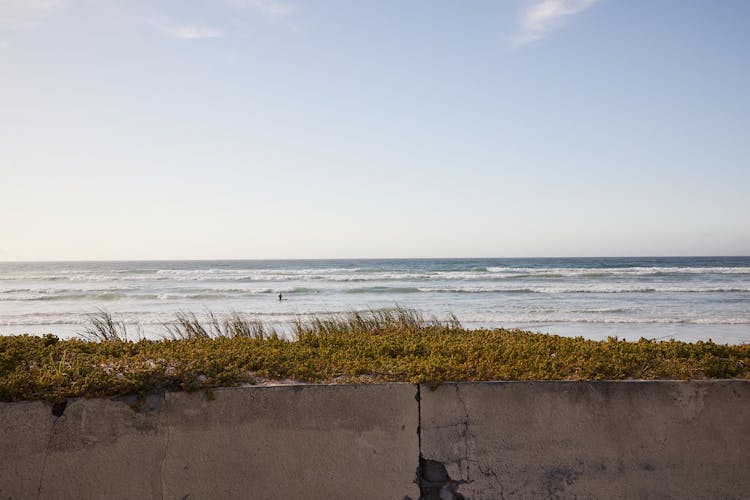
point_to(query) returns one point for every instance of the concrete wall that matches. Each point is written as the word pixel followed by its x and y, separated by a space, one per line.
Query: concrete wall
pixel 313 441
pixel 476 440
pixel 588 439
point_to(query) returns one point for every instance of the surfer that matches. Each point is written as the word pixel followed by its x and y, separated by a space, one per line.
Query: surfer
pixel 281 297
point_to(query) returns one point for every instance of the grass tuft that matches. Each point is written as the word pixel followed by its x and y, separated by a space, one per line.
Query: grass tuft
pixel 101 327
pixel 189 327
pixel 375 321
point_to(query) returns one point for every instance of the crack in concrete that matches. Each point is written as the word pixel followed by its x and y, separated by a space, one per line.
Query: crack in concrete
pixel 166 446
pixel 44 463
pixel 464 431
pixel 432 476
pixel 418 397
pixel 58 409
pixel 435 483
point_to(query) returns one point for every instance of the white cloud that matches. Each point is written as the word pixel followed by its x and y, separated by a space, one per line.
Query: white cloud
pixel 188 32
pixel 29 5
pixel 544 16
pixel 270 7
pixel 21 14
pixel 4 45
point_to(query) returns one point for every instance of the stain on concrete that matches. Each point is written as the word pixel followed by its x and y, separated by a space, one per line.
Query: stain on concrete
pixel 690 398
pixel 558 479
pixel 59 408
pixel 435 483
pixel 140 403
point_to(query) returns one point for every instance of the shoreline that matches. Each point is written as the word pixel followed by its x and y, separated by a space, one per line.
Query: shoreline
pixel 686 298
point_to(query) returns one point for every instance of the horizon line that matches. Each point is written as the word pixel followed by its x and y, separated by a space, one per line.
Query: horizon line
pixel 685 256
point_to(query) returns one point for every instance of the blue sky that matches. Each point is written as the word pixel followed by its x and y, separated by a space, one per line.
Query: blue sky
pixel 324 129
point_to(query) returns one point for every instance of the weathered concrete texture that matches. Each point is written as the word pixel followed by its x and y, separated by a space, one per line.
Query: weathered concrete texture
pixel 657 439
pixel 339 441
pixel 477 440
pixel 24 433
pixel 100 448
pixel 299 441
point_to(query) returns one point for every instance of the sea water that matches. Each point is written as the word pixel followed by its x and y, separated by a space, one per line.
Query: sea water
pixel 686 298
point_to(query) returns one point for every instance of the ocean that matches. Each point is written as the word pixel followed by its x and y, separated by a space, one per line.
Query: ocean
pixel 685 298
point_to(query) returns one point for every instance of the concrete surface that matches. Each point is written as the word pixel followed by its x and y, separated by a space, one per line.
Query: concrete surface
pixel 99 448
pixel 294 441
pixel 24 435
pixel 656 439
pixel 345 441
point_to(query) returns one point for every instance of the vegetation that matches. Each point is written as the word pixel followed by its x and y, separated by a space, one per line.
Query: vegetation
pixel 358 347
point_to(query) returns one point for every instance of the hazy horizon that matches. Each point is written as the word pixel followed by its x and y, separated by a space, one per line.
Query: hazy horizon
pixel 474 257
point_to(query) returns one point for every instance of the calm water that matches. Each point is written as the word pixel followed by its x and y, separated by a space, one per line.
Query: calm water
pixel 686 298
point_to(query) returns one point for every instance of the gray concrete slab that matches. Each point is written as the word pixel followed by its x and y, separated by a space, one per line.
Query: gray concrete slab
pixel 657 439
pixel 103 449
pixel 24 434
pixel 299 441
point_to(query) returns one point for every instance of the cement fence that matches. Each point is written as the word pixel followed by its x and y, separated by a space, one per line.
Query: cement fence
pixel 651 439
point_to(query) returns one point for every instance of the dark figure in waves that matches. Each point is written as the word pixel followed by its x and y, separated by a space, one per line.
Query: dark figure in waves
pixel 281 297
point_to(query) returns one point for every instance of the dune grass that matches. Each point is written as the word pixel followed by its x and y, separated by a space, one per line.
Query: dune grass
pixel 189 327
pixel 357 347
pixel 102 327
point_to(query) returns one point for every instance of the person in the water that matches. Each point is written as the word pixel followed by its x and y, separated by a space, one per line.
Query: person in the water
pixel 281 297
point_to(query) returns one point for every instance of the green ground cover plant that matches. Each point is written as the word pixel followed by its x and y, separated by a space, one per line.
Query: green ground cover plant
pixel 357 347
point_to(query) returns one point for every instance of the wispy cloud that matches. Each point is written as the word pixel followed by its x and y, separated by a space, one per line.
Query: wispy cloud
pixel 188 32
pixel 21 14
pixel 270 7
pixel 543 16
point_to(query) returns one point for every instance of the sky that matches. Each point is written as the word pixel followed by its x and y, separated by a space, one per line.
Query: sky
pixel 243 129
